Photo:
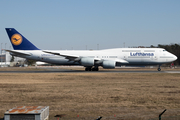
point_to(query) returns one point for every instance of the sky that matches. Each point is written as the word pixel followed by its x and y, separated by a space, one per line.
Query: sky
pixel 91 24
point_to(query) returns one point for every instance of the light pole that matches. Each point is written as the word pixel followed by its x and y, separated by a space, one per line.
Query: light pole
pixel 1 54
pixel 5 54
pixel 97 46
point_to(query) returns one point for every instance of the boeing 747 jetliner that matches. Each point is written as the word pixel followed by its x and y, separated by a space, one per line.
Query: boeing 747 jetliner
pixel 90 59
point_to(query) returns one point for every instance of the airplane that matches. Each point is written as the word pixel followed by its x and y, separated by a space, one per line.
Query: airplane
pixel 90 59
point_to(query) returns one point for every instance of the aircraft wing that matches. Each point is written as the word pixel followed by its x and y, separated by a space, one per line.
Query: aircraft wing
pixel 18 53
pixel 78 58
pixel 67 56
pixel 75 58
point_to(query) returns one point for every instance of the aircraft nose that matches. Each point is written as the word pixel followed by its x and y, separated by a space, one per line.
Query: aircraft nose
pixel 175 57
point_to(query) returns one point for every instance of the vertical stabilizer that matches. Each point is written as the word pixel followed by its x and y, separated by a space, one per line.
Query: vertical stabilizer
pixel 18 41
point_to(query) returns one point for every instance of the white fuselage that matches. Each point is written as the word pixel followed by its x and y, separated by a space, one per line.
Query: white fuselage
pixel 134 56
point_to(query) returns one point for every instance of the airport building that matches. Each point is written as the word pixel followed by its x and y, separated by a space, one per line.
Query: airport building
pixel 5 57
pixel 27 113
pixel 5 60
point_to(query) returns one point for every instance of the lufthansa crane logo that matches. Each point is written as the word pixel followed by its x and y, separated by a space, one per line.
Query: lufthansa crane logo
pixel 16 39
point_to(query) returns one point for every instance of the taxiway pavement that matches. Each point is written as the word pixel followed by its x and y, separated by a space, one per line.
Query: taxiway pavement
pixel 82 71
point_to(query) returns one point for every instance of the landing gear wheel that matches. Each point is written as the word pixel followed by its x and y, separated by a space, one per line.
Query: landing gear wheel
pixel 91 69
pixel 88 69
pixel 95 69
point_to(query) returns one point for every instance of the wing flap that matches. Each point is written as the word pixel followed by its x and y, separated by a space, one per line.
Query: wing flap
pixel 67 56
pixel 121 61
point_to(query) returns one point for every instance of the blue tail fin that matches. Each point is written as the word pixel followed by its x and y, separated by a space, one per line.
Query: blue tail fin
pixel 18 41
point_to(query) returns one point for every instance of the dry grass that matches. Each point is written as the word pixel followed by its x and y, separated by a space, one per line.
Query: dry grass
pixel 126 95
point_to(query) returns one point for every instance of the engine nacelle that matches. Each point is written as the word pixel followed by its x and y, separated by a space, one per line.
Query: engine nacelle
pixel 87 61
pixel 107 64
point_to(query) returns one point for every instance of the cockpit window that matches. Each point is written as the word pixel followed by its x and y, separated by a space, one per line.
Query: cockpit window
pixel 164 50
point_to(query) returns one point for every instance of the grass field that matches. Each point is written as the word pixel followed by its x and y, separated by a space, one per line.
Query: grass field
pixel 131 96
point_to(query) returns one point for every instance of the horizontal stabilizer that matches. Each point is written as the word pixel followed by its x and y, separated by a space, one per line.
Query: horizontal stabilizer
pixel 18 53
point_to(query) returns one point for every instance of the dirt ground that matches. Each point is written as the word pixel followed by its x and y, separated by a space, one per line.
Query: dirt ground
pixel 117 96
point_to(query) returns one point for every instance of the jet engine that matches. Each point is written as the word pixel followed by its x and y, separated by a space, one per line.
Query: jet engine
pixel 87 61
pixel 107 64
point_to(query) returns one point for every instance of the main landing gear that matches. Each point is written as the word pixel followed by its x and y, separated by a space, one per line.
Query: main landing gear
pixel 91 69
pixel 159 69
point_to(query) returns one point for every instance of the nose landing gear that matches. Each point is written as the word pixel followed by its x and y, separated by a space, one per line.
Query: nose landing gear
pixel 159 69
